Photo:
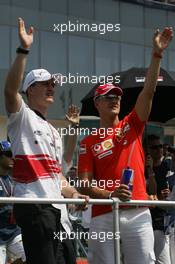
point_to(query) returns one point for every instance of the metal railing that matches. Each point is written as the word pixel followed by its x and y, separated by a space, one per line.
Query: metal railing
pixel 115 202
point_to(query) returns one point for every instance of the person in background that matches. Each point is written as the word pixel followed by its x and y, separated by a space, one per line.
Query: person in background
pixel 167 154
pixel 170 217
pixel 157 168
pixel 11 246
pixel 151 185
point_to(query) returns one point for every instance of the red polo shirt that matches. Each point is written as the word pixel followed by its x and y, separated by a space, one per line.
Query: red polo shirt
pixel 105 156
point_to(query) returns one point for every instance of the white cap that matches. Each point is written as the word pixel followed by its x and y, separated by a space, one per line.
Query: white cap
pixel 37 75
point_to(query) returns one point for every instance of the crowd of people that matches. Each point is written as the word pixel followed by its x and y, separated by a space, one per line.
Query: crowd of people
pixel 40 165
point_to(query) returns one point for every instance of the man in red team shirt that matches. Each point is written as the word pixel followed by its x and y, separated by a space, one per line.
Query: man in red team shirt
pixel 105 158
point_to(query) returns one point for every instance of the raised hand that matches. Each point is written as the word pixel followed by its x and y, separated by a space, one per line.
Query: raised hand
pixel 26 38
pixel 162 39
pixel 73 115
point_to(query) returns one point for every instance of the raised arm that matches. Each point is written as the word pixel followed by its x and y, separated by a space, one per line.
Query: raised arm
pixel 73 117
pixel 161 41
pixel 16 72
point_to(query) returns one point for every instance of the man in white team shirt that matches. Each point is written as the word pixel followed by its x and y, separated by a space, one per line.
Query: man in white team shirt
pixel 37 151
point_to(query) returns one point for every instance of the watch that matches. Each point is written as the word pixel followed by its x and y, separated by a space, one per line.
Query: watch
pixel 22 50
pixel 110 195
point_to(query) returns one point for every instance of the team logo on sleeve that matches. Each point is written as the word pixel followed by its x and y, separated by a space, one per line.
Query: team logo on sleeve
pixel 83 149
pixel 120 132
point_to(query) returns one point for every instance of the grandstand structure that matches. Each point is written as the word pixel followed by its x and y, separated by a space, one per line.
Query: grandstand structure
pixel 84 53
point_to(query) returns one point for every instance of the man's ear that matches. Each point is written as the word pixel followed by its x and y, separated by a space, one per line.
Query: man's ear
pixel 29 91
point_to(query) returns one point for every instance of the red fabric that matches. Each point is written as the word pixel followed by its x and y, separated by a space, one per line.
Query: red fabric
pixel 81 261
pixel 107 157
pixel 29 168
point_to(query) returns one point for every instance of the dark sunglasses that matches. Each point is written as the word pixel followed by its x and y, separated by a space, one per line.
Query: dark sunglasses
pixel 156 146
pixel 110 97
pixel 7 154
pixel 45 83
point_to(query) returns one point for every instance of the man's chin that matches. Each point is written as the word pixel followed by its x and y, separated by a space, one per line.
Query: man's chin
pixel 115 111
pixel 50 100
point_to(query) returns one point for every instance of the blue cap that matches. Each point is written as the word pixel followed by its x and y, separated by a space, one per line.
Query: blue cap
pixel 5 146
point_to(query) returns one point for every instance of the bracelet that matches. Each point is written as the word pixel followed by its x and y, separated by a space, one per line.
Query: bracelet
pixel 22 50
pixel 110 195
pixel 157 55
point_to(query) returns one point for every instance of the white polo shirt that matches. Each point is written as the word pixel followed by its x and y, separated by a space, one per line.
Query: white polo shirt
pixel 37 151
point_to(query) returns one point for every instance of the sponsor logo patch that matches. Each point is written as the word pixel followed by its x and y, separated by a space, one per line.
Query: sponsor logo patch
pixel 107 153
pixel 108 144
pixel 38 132
pixel 102 146
pixel 121 132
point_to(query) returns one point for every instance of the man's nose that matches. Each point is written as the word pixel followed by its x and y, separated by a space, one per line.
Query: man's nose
pixel 50 86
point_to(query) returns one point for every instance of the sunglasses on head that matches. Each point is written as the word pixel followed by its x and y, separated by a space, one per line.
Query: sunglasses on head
pixel 156 146
pixel 110 97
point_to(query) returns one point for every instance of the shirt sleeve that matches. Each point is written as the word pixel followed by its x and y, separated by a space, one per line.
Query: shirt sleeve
pixel 13 117
pixel 14 121
pixel 85 162
pixel 134 119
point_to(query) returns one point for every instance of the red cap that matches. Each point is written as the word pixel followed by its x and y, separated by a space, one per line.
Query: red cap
pixel 106 88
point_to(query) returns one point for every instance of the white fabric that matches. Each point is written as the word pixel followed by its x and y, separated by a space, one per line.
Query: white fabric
pixel 172 247
pixel 161 247
pixel 12 251
pixel 137 239
pixel 39 75
pixel 25 128
pixel 86 217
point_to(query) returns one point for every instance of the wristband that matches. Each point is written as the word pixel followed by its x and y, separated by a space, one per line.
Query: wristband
pixel 21 50
pixel 157 55
pixel 110 195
